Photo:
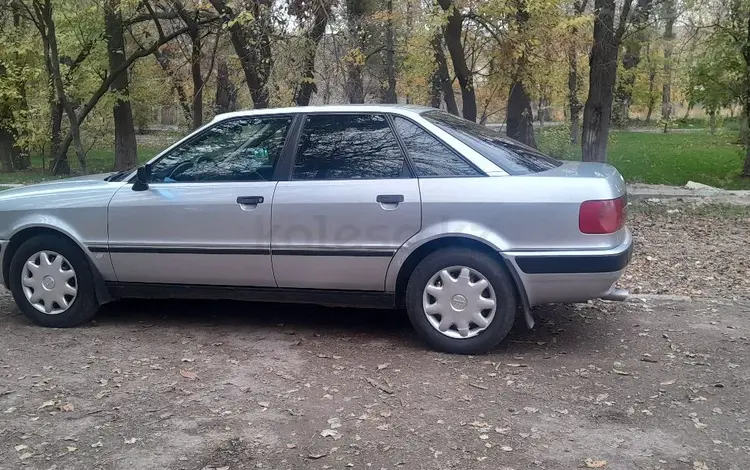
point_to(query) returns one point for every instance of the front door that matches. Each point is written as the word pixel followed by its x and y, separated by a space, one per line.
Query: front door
pixel 206 215
pixel 350 204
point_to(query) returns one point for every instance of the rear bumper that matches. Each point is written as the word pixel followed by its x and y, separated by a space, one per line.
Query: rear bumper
pixel 571 276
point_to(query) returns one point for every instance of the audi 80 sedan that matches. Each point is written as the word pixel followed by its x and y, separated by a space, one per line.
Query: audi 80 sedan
pixel 370 206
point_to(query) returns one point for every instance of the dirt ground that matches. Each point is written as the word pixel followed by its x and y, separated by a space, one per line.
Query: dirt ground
pixel 646 384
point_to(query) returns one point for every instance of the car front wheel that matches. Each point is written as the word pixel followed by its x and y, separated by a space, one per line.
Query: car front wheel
pixel 461 301
pixel 52 283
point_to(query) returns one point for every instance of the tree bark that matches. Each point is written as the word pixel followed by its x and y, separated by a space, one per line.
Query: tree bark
pixel 8 149
pixel 164 61
pixel 712 122
pixel 574 104
pixel 630 60
pixel 308 86
pixel 453 32
pixel 226 92
pixel 126 149
pixel 389 92
pixel 355 88
pixel 520 119
pixel 746 98
pixel 603 65
pixel 443 76
pixel 252 44
pixel 666 93
pixel 190 19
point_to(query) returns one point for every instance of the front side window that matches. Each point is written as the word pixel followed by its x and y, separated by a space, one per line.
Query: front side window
pixel 347 146
pixel 430 156
pixel 244 149
pixel 511 156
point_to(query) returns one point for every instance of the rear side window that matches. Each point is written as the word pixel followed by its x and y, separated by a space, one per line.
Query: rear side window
pixel 347 146
pixel 511 156
pixel 430 156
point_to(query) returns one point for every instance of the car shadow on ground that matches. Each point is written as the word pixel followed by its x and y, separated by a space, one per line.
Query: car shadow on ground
pixel 563 326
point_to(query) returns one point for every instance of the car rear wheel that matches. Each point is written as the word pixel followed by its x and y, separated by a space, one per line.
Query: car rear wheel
pixel 52 283
pixel 461 301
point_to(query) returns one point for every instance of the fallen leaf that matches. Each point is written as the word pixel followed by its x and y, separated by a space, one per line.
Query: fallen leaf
pixel 530 409
pixel 668 382
pixel 188 374
pixel 67 407
pixel 334 423
pixel 97 444
pixel 21 447
pixel 383 366
pixel 591 463
pixel 291 446
pixel 619 372
pixel 484 437
pixel 316 456
pixel 515 364
pixel 25 456
pixel 131 440
pixel 11 409
pixel 331 433
pixel 264 404
pixel 72 449
pixel 47 404
pixel 187 359
pixel 506 448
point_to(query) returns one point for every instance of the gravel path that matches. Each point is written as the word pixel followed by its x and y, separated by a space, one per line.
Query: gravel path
pixel 220 385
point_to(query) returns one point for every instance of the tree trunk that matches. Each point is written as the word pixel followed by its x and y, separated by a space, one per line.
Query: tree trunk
pixel 355 88
pixel 126 150
pixel 8 149
pixel 226 92
pixel 630 60
pixel 520 119
pixel 435 91
pixel 74 133
pixel 389 93
pixel 712 121
pixel 603 65
pixel 746 98
pixel 666 93
pixel 195 72
pixel 252 44
pixel 453 33
pixel 573 79
pixel 443 76
pixel 162 58
pixel 687 111
pixel 308 86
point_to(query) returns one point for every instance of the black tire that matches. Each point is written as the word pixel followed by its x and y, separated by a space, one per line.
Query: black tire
pixel 84 306
pixel 505 313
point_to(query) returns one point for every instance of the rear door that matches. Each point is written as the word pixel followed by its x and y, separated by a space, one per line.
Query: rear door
pixel 351 202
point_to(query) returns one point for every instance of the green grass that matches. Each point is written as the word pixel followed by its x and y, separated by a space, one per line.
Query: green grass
pixel 673 158
pixel 99 160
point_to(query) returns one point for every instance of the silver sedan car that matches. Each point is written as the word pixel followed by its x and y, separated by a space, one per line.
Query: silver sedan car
pixel 369 206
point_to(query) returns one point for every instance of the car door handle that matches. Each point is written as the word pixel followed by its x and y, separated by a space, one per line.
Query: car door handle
pixel 249 200
pixel 390 198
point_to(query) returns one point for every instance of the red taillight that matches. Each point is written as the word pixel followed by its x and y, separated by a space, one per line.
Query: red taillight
pixel 605 216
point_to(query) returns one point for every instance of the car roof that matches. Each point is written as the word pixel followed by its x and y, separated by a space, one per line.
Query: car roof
pixel 405 109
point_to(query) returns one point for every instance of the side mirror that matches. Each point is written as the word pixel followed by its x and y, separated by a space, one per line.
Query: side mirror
pixel 141 179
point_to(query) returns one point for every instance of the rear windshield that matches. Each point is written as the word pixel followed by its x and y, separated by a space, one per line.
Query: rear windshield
pixel 513 157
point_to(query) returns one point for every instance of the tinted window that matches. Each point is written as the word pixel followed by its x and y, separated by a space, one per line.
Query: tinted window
pixel 245 149
pixel 430 156
pixel 511 156
pixel 351 146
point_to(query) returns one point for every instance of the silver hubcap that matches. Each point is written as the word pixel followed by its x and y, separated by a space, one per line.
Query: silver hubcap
pixel 459 302
pixel 49 282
